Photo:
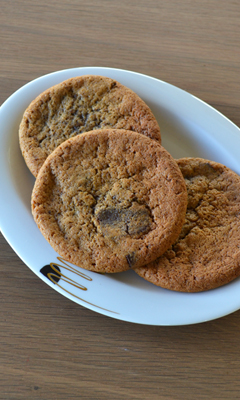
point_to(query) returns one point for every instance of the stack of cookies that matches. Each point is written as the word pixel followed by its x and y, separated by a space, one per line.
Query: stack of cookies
pixel 108 197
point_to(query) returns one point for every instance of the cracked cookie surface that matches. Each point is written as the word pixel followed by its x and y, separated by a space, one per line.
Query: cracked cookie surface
pixel 207 252
pixel 110 200
pixel 79 105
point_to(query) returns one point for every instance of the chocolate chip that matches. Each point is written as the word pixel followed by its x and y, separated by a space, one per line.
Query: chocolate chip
pixel 138 222
pixel 109 216
pixel 131 259
pixel 131 221
pixel 204 169
pixel 113 85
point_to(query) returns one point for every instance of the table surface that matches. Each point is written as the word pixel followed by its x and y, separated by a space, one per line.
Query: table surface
pixel 50 347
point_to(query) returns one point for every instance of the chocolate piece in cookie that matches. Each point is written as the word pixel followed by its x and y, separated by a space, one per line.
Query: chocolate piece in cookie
pixel 207 253
pixel 79 105
pixel 110 200
pixel 133 221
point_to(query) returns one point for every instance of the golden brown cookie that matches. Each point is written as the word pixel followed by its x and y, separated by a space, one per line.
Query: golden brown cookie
pixel 79 105
pixel 109 200
pixel 207 252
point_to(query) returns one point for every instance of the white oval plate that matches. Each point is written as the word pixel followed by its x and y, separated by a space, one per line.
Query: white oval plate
pixel 189 128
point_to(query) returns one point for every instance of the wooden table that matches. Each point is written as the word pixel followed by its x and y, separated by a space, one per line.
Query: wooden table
pixel 50 347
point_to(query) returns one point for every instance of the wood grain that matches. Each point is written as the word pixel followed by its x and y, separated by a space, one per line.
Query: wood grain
pixel 51 348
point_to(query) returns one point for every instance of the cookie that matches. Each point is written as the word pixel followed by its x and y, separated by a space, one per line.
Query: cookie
pixel 207 252
pixel 109 200
pixel 79 105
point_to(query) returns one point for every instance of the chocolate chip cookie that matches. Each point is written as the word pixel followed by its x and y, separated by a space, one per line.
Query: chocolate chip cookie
pixel 110 200
pixel 207 252
pixel 79 105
